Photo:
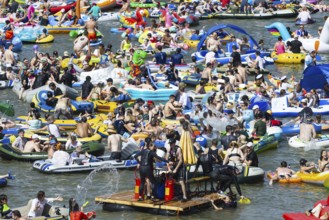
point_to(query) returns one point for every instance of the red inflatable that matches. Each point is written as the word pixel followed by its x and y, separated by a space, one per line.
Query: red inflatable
pixel 303 216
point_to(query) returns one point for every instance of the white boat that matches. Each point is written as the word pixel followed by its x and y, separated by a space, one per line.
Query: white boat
pixel 280 108
pixel 101 75
pixel 320 142
pixel 80 165
pixel 29 94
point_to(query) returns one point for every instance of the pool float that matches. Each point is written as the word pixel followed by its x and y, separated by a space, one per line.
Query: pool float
pixel 293 179
pixel 265 143
pixel 103 4
pixel 66 7
pixel 137 19
pixel 309 21
pixel 280 108
pixel 321 141
pixel 7 152
pixel 146 5
pixel 321 45
pixel 44 136
pixel 288 58
pixel 76 106
pixel 303 216
pixel 314 177
pixel 105 106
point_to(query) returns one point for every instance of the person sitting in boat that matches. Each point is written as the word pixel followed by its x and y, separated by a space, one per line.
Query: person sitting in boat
pixel 310 59
pixel 228 138
pixel 201 88
pixel 63 107
pixel 177 58
pixel 72 142
pixel 282 172
pixel 68 16
pixel 118 95
pixel 172 74
pixel 33 145
pixel 160 57
pixel 20 141
pixel 306 167
pixel 307 130
pixel 76 213
pixel 251 158
pixel 35 123
pixel 234 155
pixel 50 146
pixel 215 153
pixel 126 44
pixel 43 35
pixel 259 9
pixel 295 45
pixel 306 112
pixel 214 44
pixel 16 215
pixel 147 85
pixel 170 109
pixel 260 126
pixel 323 162
pixel 6 123
pixel 40 203
pixel 84 129
pixel 302 32
pixel 52 128
pixel 9 30
pixel 316 212
pixel 279 46
pixel 182 97
pixel 304 16
pixel 95 11
pixel 166 39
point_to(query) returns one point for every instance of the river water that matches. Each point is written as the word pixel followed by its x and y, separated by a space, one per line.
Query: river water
pixel 267 202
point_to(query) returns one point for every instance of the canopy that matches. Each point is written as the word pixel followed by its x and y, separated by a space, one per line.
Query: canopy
pixel 187 148
pixel 222 26
pixel 315 77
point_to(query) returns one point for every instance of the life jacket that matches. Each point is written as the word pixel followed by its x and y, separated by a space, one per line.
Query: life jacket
pixel 5 211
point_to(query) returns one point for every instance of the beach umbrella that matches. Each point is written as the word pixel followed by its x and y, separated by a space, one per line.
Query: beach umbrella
pixel 7 109
pixel 187 148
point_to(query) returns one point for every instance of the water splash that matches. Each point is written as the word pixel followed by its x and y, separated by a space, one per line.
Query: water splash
pixel 102 181
pixel 311 146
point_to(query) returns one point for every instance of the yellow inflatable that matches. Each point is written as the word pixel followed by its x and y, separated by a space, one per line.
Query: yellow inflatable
pixel 143 36
pixel 209 88
pixel 191 43
pixel 288 58
pixel 314 177
pixel 50 38
pixel 78 61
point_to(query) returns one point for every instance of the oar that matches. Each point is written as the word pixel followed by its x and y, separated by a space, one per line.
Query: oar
pixel 244 200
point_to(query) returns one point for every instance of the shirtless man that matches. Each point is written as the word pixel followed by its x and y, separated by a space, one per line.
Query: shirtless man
pixel 33 145
pixel 83 128
pixel 114 142
pixel 63 108
pixel 146 85
pixel 91 29
pixel 166 39
pixel 213 43
pixel 307 130
pixel 154 129
pixel 243 72
pixel 282 172
pixel 169 109
pixel 9 56
pixel 206 73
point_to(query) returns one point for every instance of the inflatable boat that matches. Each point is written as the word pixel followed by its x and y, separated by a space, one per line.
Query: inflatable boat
pixel 294 179
pixel 295 128
pixel 7 152
pixel 317 178
pixel 319 142
pixel 303 216
pixel 29 94
pixel 288 58
pixel 280 108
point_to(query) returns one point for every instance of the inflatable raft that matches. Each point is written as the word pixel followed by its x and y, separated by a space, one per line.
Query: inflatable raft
pixel 29 94
pixel 295 128
pixel 317 178
pixel 294 179
pixel 319 142
pixel 161 93
pixel 7 152
pixel 288 58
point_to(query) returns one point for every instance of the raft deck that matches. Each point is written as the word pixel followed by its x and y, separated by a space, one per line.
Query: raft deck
pixel 126 201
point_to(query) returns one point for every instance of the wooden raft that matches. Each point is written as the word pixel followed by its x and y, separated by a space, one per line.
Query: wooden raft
pixel 126 198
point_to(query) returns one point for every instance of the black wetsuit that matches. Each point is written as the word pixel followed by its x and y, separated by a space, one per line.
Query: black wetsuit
pixel 146 168
pixel 226 175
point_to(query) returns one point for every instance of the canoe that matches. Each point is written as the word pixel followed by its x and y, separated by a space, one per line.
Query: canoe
pixel 29 94
pixel 289 58
pixel 9 153
pixel 319 142
pixel 53 212
pixel 280 108
pixel 44 136
pixel 3 182
pixel 294 179
pixel 162 93
pixel 145 5
pixel 55 9
pixel 77 106
pixel 314 178
pixel 103 4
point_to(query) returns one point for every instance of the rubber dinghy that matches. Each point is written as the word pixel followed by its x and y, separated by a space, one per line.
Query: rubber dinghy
pixel 321 45
pixel 319 142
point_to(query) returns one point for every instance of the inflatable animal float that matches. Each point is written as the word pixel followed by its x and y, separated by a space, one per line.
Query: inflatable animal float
pixel 136 19
pixel 321 45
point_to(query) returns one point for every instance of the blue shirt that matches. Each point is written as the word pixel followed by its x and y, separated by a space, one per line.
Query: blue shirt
pixel 160 58
pixel 177 58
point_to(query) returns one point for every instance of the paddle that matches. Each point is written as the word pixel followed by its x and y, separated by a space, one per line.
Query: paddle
pixel 244 200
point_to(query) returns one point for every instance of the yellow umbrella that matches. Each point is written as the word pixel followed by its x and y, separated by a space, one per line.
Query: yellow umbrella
pixel 187 148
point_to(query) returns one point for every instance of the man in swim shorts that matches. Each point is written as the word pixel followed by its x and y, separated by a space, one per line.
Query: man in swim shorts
pixel 91 29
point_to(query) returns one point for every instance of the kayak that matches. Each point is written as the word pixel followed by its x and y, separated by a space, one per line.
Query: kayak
pixel 9 153
pixel 44 136
pixel 320 141
pixel 317 178
pixel 294 179
pixel 303 216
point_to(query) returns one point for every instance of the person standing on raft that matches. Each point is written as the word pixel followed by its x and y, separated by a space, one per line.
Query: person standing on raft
pixel 91 29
